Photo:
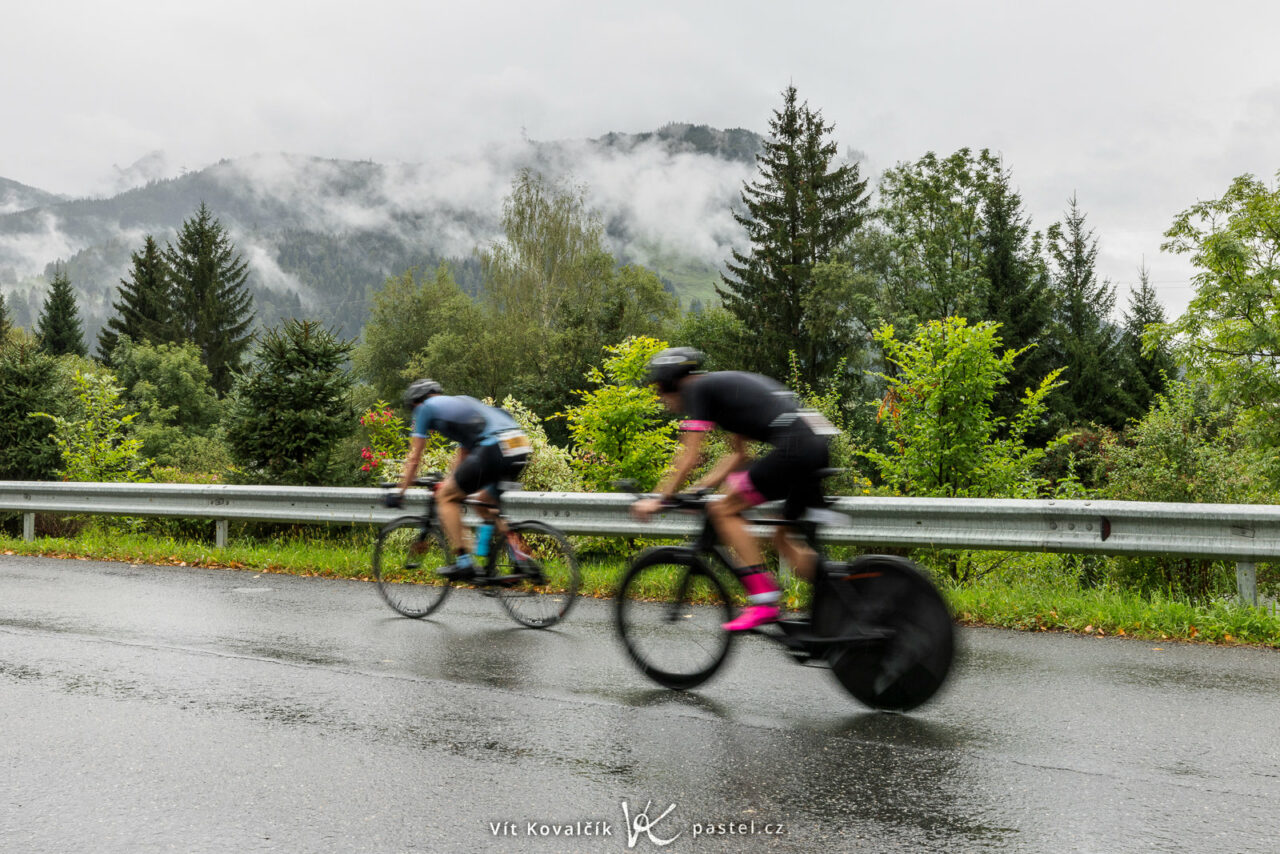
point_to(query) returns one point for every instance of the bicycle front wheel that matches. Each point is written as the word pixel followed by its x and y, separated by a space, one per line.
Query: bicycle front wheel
pixel 406 561
pixel 669 610
pixel 538 576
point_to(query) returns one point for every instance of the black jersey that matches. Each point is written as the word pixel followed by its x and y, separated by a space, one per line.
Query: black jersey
pixel 747 404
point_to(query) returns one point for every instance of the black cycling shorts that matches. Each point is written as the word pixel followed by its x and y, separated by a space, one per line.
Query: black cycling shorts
pixel 789 472
pixel 487 468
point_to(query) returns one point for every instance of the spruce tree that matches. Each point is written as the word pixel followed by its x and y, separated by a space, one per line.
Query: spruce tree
pixel 1085 340
pixel 1147 371
pixel 1017 294
pixel 291 407
pixel 6 323
pixel 59 329
pixel 798 211
pixel 144 311
pixel 212 305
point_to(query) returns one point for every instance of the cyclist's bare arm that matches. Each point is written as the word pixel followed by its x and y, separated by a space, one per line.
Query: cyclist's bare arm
pixel 731 462
pixel 686 460
pixel 411 462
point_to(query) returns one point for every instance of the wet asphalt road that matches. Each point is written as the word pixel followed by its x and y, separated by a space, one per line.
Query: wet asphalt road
pixel 169 709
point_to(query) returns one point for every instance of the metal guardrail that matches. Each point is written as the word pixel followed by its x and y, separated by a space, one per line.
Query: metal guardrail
pixel 1246 534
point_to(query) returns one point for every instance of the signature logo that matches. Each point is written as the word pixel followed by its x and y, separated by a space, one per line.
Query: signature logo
pixel 641 823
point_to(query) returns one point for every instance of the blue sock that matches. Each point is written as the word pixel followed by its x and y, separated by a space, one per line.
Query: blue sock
pixel 483 534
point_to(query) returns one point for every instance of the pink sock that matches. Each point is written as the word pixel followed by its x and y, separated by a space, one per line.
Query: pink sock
pixel 761 588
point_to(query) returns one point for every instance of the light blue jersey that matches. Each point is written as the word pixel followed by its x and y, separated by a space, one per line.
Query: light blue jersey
pixel 463 419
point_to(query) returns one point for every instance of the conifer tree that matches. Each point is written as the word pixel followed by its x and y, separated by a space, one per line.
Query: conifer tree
pixel 798 211
pixel 59 329
pixel 1147 370
pixel 1085 340
pixel 144 311
pixel 212 305
pixel 1017 294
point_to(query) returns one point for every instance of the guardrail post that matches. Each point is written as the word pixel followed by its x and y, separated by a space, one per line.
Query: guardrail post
pixel 1247 582
pixel 220 534
pixel 28 526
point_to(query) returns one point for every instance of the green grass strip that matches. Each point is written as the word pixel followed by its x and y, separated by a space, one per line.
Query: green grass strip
pixel 1098 612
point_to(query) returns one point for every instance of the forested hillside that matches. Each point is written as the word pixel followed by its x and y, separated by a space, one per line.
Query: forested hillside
pixel 321 236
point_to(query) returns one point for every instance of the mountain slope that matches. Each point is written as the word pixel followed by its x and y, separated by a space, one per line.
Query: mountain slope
pixel 321 236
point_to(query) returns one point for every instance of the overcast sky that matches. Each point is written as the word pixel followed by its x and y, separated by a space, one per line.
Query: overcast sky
pixel 1139 108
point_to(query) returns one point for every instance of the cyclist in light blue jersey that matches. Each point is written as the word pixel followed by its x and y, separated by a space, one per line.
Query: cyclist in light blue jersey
pixel 492 449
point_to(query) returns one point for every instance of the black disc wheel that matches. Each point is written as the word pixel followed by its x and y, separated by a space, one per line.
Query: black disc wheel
pixel 890 597
pixel 538 575
pixel 670 609
pixel 406 561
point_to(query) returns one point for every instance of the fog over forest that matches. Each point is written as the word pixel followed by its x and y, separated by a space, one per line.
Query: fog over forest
pixel 322 235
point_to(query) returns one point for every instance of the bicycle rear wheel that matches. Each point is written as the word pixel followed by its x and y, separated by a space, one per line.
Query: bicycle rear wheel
pixel 406 560
pixel 889 595
pixel 538 575
pixel 669 610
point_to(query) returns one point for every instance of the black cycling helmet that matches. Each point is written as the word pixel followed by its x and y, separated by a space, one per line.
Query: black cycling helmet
pixel 671 365
pixel 419 390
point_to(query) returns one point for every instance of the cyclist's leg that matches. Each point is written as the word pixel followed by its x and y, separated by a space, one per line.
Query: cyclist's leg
pixel 762 588
pixel 449 507
pixel 465 479
pixel 808 455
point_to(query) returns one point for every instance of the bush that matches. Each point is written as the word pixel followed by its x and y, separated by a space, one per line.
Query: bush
pixel 1186 449
pixel 30 381
pixel 97 446
pixel 619 429
pixel 178 410
pixel 945 439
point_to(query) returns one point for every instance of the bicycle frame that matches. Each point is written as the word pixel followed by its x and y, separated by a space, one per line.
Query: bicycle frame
pixel 796 635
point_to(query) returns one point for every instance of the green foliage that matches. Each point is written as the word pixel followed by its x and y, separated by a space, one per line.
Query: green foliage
pixel 550 468
pixel 211 303
pixel 717 332
pixel 424 326
pixel 97 446
pixel 945 438
pixel 1230 332
pixel 30 381
pixel 59 328
pixel 553 298
pixel 145 310
pixel 1189 449
pixel 178 410
pixel 798 212
pixel 935 260
pixel 292 407
pixel 619 430
pixel 1186 449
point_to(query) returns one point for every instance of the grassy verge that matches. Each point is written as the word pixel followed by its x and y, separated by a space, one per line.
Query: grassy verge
pixel 1118 613
pixel 1028 607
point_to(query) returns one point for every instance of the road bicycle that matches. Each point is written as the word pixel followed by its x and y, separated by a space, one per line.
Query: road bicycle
pixel 878 623
pixel 530 566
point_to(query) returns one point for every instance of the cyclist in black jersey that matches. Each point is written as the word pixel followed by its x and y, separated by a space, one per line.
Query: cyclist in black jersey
pixel 751 408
